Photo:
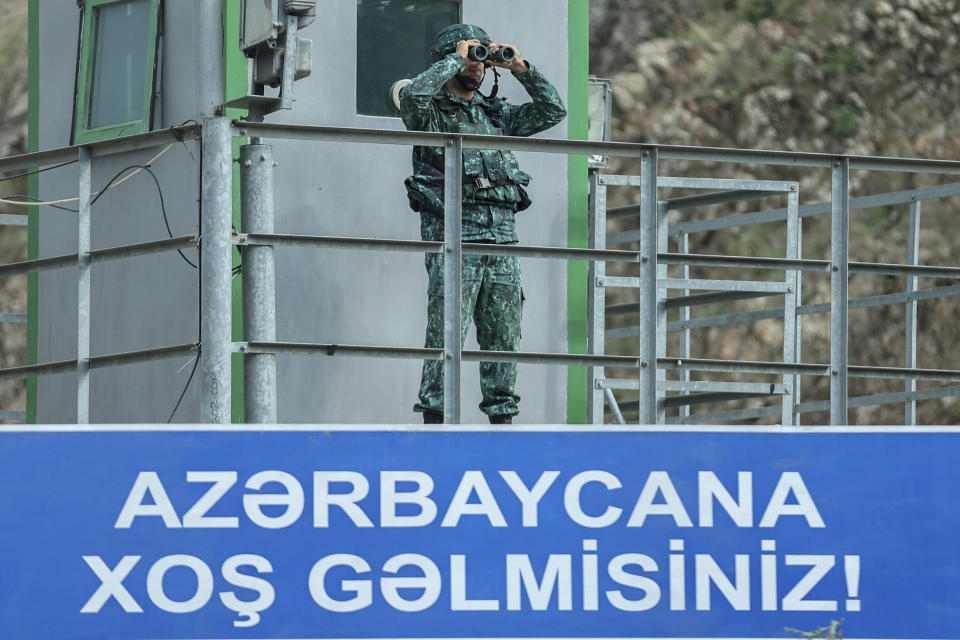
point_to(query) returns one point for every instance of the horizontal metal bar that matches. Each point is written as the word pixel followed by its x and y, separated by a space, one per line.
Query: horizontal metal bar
pixel 857 371
pixel 733 188
pixel 718 386
pixel 769 314
pixel 310 348
pixel 545 145
pixel 714 198
pixel 97 149
pixel 13 318
pixel 583 147
pixel 816 209
pixel 620 384
pixel 330 349
pixel 143 355
pixel 473 248
pixel 563 253
pixel 101 255
pixel 43 369
pixel 698 299
pixel 698 386
pixel 873 268
pixel 886 299
pixel 525 357
pixel 618 281
pixel 97 362
pixel 728 416
pixel 884 398
pixel 39 264
pixel 742 366
pixel 705 260
pixel 759 286
pixel 706 398
pixel 470 141
pixel 144 248
pixel 896 373
pixel 12 220
pixel 921 271
pixel 614 180
pixel 733 185
pixel 336 242
pixel 6 414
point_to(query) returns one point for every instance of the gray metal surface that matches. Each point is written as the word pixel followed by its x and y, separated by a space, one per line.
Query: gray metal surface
pixel 910 341
pixel 647 374
pixel 83 288
pixel 596 298
pixel 452 279
pixel 839 283
pixel 259 282
pixel 215 267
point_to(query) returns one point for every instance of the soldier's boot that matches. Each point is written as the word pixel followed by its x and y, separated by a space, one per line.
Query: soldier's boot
pixel 432 417
pixel 503 419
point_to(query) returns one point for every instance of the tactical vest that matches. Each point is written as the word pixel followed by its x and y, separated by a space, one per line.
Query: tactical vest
pixel 490 176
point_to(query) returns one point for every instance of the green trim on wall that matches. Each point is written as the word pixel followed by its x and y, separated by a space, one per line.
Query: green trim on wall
pixel 235 86
pixel 33 188
pixel 578 34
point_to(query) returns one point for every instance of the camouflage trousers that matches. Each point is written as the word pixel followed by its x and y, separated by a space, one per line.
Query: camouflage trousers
pixel 493 300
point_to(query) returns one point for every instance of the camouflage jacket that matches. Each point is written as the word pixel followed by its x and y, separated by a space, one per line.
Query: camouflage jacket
pixel 493 184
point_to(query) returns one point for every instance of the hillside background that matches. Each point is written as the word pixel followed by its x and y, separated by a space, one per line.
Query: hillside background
pixel 871 77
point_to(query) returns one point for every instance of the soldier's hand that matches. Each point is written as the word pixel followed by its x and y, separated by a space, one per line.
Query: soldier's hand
pixel 463 47
pixel 516 65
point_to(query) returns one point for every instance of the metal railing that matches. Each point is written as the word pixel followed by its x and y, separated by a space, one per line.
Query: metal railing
pixel 84 259
pixel 650 362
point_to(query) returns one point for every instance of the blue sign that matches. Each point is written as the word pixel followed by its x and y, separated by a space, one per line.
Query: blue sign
pixel 542 533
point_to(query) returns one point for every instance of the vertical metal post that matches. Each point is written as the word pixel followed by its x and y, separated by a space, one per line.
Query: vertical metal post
pixel 289 62
pixel 839 281
pixel 913 257
pixel 683 246
pixel 452 274
pixel 208 76
pixel 663 238
pixel 215 266
pixel 259 282
pixel 790 302
pixel 83 288
pixel 597 297
pixel 647 374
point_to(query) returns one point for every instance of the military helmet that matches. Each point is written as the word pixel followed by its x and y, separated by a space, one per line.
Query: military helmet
pixel 446 41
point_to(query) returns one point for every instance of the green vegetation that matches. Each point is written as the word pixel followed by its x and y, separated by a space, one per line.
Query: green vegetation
pixel 844 120
pixel 784 60
pixel 840 62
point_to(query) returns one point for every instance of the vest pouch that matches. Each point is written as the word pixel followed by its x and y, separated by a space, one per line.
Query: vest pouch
pixel 512 168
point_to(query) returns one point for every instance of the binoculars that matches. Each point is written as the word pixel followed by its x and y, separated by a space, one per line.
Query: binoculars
pixel 482 53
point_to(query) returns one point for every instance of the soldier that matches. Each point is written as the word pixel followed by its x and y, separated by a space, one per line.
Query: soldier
pixel 445 97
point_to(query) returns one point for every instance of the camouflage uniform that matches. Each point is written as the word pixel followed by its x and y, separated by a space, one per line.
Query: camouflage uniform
pixel 493 192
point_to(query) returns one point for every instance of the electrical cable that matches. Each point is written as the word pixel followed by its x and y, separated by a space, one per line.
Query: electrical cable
pixel 35 171
pixel 163 208
pixel 32 199
pixel 199 269
pixel 196 361
pixel 110 185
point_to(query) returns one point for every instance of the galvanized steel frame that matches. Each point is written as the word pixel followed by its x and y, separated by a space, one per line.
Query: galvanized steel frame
pixel 651 361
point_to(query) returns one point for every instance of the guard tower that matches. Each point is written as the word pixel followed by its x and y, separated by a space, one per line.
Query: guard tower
pixel 151 65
